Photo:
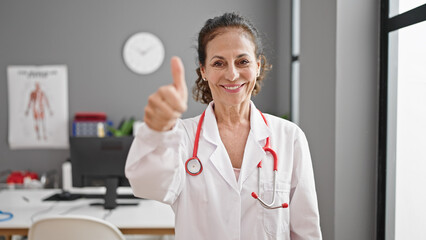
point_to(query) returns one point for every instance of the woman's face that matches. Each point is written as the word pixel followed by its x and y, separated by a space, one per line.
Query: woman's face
pixel 231 67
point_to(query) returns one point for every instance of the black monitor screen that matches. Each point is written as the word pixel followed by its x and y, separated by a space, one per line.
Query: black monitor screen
pixel 99 161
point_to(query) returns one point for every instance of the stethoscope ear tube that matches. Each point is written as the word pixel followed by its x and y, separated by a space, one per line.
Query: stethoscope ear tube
pixel 267 148
pixel 274 155
pixel 262 202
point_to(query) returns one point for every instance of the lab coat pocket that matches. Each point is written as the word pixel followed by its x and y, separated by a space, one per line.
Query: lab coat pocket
pixel 276 221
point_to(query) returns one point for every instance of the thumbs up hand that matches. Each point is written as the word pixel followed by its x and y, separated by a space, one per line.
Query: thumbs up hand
pixel 169 102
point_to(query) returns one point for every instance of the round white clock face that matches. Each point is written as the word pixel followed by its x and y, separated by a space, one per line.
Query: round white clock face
pixel 143 53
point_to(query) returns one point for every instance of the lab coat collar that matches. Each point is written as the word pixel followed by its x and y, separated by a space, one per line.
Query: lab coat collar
pixel 219 157
pixel 254 153
pixel 210 129
pixel 258 126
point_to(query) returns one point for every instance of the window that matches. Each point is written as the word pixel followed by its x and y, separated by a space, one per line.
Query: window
pixel 402 120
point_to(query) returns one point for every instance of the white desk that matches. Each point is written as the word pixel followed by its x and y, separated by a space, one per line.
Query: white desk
pixel 149 217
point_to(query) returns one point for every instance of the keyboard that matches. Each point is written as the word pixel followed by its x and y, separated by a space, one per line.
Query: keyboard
pixel 67 196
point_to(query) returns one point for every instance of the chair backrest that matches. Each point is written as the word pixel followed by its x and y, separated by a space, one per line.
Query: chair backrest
pixel 72 228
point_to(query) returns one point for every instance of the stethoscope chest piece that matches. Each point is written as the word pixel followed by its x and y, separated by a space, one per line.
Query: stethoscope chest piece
pixel 193 166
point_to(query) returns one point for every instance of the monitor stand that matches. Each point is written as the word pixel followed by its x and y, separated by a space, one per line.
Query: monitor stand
pixel 111 185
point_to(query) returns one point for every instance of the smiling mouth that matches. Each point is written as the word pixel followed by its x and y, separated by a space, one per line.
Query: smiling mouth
pixel 234 87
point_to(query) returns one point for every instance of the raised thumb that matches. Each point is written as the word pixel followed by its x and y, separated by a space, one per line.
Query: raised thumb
pixel 178 74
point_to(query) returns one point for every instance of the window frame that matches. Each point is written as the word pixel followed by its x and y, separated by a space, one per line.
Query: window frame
pixel 387 25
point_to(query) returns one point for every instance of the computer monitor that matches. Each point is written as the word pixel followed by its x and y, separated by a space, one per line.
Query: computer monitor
pixel 100 162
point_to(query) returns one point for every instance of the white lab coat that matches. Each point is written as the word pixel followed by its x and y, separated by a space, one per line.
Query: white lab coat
pixel 214 205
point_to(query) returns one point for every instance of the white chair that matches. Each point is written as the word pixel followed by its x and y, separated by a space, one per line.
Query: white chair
pixel 73 228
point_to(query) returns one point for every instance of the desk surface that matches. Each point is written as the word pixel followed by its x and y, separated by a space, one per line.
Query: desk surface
pixel 148 217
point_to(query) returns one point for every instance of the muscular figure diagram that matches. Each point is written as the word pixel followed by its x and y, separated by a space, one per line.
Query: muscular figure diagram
pixel 38 101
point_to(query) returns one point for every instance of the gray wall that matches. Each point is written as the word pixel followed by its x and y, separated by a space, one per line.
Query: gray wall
pixel 88 35
pixel 338 111
pixel 317 99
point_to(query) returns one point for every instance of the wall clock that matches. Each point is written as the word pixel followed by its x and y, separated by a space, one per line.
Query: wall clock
pixel 143 53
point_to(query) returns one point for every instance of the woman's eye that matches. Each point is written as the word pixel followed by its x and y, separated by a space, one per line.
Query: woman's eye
pixel 244 62
pixel 217 64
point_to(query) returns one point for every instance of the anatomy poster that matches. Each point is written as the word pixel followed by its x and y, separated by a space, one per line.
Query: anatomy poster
pixel 38 106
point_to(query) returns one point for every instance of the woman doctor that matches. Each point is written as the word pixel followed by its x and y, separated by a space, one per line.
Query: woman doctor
pixel 213 188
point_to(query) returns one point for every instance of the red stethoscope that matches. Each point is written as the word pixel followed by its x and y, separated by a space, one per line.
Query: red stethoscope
pixel 194 167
